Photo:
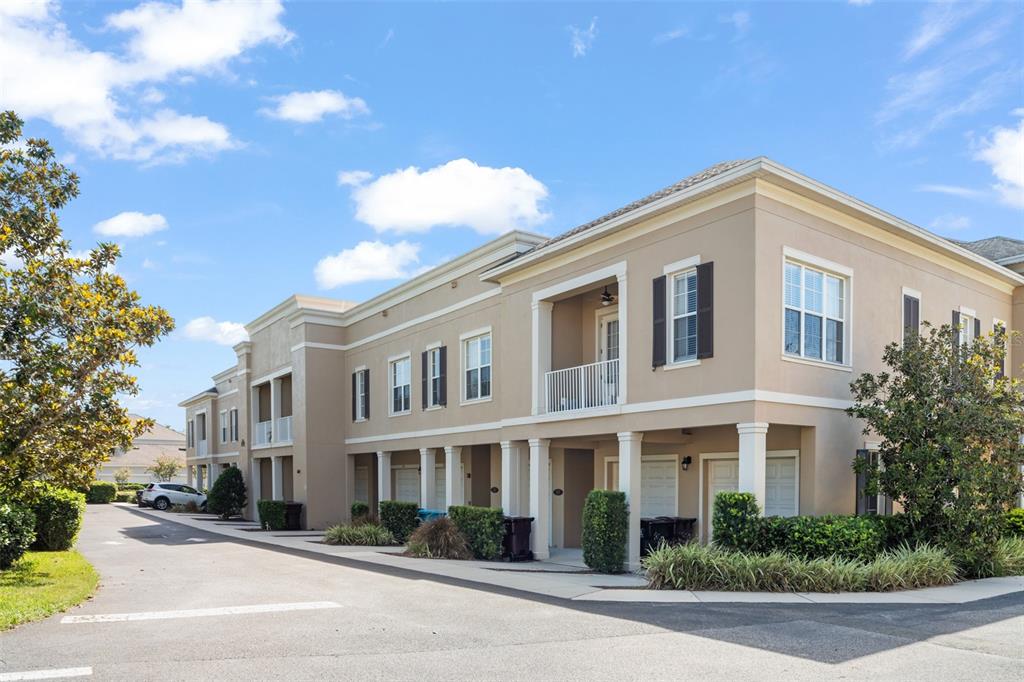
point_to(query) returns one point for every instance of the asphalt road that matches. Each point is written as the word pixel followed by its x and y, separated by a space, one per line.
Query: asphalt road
pixel 317 617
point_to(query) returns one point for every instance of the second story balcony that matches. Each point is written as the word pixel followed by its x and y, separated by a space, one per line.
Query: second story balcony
pixel 582 387
pixel 272 411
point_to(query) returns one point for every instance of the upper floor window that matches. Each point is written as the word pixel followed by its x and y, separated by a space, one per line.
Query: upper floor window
pixel 434 375
pixel 222 417
pixel 814 309
pixel 361 395
pixel 684 316
pixel 191 428
pixel 401 385
pixel 967 321
pixel 477 356
pixel 233 423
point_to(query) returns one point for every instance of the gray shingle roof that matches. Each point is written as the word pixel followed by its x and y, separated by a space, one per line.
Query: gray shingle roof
pixel 994 248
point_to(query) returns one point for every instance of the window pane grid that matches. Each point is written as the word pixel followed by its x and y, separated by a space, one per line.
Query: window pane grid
pixel 814 312
pixel 684 316
pixel 400 385
pixel 478 368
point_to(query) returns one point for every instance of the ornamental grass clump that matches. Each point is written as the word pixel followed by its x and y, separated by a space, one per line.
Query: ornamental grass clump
pixel 366 534
pixel 439 539
pixel 1008 558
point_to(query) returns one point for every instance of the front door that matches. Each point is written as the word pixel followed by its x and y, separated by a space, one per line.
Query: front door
pixel 362 484
pixel 608 336
pixel 723 476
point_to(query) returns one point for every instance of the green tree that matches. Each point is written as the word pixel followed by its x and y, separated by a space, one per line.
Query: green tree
pixel 122 476
pixel 950 425
pixel 227 496
pixel 165 468
pixel 69 327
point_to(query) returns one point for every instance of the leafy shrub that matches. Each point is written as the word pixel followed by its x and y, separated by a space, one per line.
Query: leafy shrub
pixel 131 486
pixel 100 492
pixel 227 497
pixel 124 496
pixel 439 539
pixel 399 518
pixel 1014 522
pixel 1008 558
pixel 698 567
pixel 17 531
pixel 369 534
pixel 189 507
pixel 736 521
pixel 58 513
pixel 360 512
pixel 605 530
pixel 271 514
pixel 483 527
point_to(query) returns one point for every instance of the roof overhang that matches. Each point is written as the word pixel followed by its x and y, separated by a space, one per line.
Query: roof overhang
pixel 197 398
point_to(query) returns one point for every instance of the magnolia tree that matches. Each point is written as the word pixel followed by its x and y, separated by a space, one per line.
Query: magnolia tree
pixel 165 468
pixel 950 424
pixel 69 327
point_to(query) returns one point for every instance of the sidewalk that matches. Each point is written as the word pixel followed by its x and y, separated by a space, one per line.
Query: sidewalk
pixel 564 577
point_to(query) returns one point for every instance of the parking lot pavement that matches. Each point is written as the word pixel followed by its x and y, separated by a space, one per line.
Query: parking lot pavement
pixel 177 602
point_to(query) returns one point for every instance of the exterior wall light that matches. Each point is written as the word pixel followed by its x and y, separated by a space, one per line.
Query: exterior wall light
pixel 685 463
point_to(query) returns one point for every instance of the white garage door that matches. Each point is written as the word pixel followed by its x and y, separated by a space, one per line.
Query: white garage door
pixel 439 488
pixel 780 486
pixel 658 487
pixel 407 485
pixel 362 484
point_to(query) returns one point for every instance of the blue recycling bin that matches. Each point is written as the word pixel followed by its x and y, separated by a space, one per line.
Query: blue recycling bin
pixel 428 515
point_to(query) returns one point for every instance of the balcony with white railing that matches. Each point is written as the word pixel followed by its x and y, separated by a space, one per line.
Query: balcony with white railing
pixel 201 449
pixel 284 429
pixel 264 432
pixel 583 387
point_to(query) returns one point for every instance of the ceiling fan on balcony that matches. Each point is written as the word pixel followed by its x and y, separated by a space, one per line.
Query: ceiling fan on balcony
pixel 606 297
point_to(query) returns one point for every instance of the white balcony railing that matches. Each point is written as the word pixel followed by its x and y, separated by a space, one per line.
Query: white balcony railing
pixel 201 449
pixel 583 387
pixel 264 432
pixel 284 429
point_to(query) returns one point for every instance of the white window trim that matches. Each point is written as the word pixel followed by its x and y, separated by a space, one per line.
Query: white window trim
pixel 671 271
pixel 430 350
pixel 360 409
pixel 964 328
pixel 223 427
pixel 829 268
pixel 702 457
pixel 463 338
pixel 233 424
pixel 391 395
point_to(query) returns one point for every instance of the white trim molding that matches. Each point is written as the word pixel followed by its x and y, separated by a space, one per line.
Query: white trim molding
pixel 680 265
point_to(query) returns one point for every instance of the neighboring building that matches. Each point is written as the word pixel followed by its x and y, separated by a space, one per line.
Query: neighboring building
pixel 700 339
pixel 157 441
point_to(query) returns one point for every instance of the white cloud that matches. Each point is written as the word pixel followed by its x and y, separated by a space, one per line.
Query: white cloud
pixel 861 3
pixel 130 224
pixel 310 107
pixel 208 329
pixel 581 39
pixel 950 222
pixel 93 96
pixel 952 190
pixel 148 264
pixel 740 21
pixel 367 261
pixel 669 36
pixel 937 21
pixel 460 192
pixel 354 178
pixel 1003 151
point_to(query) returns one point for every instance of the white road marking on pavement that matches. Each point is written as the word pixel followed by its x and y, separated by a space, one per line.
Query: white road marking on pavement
pixel 51 674
pixel 112 542
pixel 195 540
pixel 201 613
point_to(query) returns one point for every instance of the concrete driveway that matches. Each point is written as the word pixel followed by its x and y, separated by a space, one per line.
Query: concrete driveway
pixel 179 603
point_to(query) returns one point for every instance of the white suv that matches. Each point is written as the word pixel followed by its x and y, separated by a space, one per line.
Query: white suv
pixel 163 495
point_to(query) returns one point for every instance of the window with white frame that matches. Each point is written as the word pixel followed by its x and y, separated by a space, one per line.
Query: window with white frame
pixel 401 385
pixel 477 356
pixel 814 310
pixel 434 377
pixel 683 330
pixel 361 378
pixel 222 417
pixel 233 423
pixel 966 327
pixel 191 433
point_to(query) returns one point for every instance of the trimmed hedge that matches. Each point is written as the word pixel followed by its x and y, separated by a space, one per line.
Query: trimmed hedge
pixel 227 497
pixel 17 531
pixel 271 514
pixel 1014 521
pixel 121 487
pixel 399 518
pixel 369 534
pixel 101 492
pixel 605 530
pixel 360 512
pixel 58 515
pixel 483 527
pixel 125 496
pixel 736 520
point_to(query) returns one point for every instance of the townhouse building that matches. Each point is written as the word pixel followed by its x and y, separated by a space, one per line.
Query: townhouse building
pixel 699 339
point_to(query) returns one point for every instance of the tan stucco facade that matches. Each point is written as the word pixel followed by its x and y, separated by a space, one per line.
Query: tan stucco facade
pixel 541 305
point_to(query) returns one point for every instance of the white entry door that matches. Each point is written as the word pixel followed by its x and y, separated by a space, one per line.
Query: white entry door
pixel 439 488
pixel 407 485
pixel 723 477
pixel 608 336
pixel 362 484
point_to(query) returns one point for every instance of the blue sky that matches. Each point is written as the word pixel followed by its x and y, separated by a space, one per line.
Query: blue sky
pixel 240 153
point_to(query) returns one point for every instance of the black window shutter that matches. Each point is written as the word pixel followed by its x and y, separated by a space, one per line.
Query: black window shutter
pixel 956 328
pixel 444 375
pixel 862 482
pixel 355 395
pixel 911 316
pixel 887 501
pixel 706 310
pixel 977 327
pixel 1000 341
pixel 658 318
pixel 423 378
pixel 366 394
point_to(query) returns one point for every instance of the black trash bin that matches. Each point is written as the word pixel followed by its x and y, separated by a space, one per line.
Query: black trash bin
pixel 654 530
pixel 516 543
pixel 685 529
pixel 293 516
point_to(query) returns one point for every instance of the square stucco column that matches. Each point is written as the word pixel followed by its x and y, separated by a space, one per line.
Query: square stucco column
pixel 277 477
pixel 199 477
pixel 540 496
pixel 752 459
pixel 428 474
pixel 541 353
pixel 629 483
pixel 383 476
pixel 454 487
pixel 511 466
pixel 255 486
pixel 191 473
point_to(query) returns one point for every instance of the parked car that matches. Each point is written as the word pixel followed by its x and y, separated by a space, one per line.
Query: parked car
pixel 138 495
pixel 163 495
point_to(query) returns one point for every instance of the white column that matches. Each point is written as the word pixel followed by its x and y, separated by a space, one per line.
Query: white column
pixel 275 408
pixel 541 353
pixel 629 483
pixel 211 475
pixel 511 463
pixel 623 338
pixel 752 459
pixel 383 476
pixel 540 496
pixel 199 477
pixel 454 487
pixel 277 478
pixel 255 487
pixel 428 474
pixel 191 470
pixel 350 482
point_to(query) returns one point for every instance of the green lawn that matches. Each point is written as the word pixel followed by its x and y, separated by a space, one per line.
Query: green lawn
pixel 42 583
